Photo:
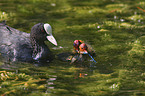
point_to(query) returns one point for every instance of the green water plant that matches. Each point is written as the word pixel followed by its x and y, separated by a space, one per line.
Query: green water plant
pixel 3 16
pixel 11 83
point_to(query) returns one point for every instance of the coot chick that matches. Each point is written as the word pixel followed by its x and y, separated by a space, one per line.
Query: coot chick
pixel 16 45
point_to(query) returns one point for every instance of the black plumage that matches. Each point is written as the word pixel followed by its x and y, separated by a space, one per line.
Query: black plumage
pixel 16 45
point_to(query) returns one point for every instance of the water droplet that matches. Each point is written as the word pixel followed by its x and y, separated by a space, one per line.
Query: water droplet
pixel 53 4
pixel 85 74
pixel 98 26
pixel 52 79
pixel 90 11
pixel 50 83
pixel 122 20
pixel 51 87
pixel 135 13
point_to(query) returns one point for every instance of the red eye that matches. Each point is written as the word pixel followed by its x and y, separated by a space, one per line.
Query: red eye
pixel 42 30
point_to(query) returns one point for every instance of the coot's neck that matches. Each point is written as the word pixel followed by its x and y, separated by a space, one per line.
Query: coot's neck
pixel 38 49
pixel 37 37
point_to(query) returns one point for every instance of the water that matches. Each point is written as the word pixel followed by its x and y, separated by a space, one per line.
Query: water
pixel 115 30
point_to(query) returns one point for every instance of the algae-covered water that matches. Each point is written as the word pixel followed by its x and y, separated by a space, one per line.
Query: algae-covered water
pixel 114 28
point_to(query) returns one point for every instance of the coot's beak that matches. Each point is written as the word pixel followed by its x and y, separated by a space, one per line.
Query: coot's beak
pixel 50 37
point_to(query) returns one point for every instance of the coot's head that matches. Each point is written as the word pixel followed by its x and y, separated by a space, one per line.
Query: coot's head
pixel 42 32
pixel 83 47
pixel 76 43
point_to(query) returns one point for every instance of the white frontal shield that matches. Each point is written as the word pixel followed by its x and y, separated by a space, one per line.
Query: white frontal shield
pixel 50 37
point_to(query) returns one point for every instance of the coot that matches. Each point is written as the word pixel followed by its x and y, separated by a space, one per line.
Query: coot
pixel 16 45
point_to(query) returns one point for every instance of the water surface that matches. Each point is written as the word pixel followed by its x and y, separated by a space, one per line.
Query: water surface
pixel 115 30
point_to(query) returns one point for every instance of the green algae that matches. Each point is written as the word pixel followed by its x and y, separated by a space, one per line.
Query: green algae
pixel 115 30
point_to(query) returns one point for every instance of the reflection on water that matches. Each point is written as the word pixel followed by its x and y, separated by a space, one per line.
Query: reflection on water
pixel 53 76
pixel 50 83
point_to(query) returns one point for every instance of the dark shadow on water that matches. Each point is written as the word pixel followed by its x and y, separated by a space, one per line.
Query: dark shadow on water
pixel 17 65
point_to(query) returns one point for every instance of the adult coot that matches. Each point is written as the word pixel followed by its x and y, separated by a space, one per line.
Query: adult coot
pixel 16 45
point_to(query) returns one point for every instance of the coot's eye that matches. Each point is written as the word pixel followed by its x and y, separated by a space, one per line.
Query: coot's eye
pixel 42 30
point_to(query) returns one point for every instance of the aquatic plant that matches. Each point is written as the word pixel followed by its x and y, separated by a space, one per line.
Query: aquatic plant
pixel 114 29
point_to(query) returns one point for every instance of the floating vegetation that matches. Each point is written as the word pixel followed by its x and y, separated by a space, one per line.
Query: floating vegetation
pixel 136 17
pixel 115 30
pixel 11 83
pixel 137 49
pixel 3 16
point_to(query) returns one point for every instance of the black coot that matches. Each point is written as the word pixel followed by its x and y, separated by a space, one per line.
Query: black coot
pixel 16 45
